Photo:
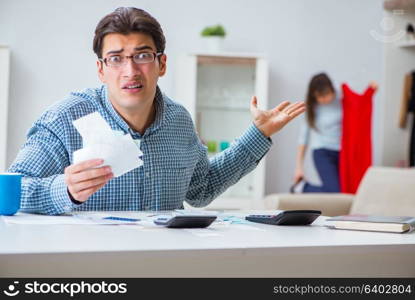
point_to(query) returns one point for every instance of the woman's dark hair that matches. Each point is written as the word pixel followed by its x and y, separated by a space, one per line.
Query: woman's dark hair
pixel 319 84
pixel 127 20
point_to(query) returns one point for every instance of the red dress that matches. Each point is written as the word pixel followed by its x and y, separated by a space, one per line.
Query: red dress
pixel 356 141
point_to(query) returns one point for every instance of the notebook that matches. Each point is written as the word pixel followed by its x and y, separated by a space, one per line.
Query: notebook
pixel 372 223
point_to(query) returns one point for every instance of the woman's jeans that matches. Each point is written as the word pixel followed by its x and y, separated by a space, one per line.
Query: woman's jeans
pixel 327 164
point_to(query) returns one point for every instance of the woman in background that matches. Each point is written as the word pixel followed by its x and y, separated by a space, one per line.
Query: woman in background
pixel 321 132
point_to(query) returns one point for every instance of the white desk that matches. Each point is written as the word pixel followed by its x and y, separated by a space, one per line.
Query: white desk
pixel 236 250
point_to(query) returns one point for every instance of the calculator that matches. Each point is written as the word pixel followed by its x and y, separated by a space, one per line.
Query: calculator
pixel 186 221
pixel 287 217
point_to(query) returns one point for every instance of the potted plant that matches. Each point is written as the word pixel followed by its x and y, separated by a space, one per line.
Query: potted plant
pixel 214 36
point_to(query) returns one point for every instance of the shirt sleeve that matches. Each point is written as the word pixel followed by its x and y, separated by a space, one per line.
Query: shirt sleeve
pixel 304 136
pixel 212 177
pixel 42 161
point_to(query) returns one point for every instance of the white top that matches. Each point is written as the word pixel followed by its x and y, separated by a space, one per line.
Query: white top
pixel 328 119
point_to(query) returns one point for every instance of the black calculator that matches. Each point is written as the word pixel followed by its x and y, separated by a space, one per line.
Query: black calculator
pixel 287 217
pixel 186 221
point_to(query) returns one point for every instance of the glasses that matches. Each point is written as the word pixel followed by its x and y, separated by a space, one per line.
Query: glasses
pixel 121 60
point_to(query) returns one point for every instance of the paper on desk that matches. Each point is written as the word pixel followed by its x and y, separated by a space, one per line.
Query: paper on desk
pixel 30 219
pixel 121 153
pixel 33 219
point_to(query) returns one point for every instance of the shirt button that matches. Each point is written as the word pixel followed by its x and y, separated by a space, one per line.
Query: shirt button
pixel 147 174
pixel 147 207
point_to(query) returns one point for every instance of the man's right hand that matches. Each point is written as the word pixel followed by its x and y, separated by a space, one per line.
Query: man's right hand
pixel 84 179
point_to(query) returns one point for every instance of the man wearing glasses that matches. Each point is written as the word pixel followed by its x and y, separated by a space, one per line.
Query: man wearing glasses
pixel 130 47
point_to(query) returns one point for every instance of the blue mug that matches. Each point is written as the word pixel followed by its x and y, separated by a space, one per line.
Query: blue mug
pixel 10 190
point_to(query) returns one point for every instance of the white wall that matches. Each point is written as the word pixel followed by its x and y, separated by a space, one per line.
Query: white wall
pixel 51 51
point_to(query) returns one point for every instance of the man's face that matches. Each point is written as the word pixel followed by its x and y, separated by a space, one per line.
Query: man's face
pixel 130 86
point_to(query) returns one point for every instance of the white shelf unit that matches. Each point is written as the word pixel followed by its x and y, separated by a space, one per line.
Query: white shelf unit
pixel 398 60
pixel 216 89
pixel 407 44
pixel 4 99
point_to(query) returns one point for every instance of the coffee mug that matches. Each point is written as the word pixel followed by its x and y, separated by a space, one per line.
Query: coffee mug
pixel 10 190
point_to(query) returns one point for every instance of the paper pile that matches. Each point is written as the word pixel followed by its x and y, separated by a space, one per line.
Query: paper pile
pixel 121 153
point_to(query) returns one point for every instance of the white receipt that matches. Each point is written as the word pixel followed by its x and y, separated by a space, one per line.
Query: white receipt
pixel 121 153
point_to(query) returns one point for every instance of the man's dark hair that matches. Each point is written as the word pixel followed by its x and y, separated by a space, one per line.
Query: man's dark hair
pixel 127 20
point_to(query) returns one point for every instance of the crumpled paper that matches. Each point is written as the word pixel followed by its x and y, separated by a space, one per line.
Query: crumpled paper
pixel 121 153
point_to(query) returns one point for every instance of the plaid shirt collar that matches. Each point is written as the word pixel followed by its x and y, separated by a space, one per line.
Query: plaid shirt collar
pixel 160 104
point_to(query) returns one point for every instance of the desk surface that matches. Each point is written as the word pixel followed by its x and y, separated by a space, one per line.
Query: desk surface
pixel 234 250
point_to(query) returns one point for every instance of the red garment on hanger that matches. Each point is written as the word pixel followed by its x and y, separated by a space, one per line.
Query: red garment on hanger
pixel 356 141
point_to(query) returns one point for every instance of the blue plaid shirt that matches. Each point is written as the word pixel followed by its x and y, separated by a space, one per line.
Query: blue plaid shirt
pixel 176 166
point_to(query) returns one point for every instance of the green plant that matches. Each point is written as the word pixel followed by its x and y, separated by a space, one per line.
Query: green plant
pixel 216 30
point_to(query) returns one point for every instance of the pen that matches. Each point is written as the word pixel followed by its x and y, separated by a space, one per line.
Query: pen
pixel 121 219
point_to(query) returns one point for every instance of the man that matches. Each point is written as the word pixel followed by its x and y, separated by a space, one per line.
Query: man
pixel 130 47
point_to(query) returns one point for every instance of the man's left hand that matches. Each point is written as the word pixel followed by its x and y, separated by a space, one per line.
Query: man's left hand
pixel 271 121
